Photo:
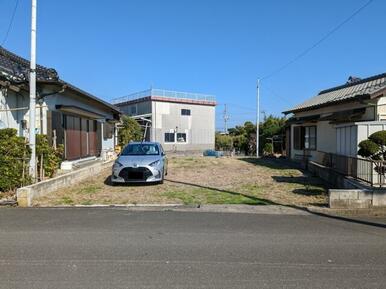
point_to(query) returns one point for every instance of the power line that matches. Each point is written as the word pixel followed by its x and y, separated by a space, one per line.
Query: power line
pixel 307 50
pixel 10 22
pixel 274 93
pixel 238 106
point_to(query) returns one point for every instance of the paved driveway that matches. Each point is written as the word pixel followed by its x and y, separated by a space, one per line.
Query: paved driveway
pixel 120 248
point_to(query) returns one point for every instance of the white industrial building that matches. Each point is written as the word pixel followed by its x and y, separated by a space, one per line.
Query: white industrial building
pixel 180 121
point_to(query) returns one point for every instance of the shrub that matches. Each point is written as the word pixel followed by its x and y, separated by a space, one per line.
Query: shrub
pixel 367 148
pixel 379 137
pixel 131 131
pixel 240 143
pixel 51 157
pixel 14 157
pixel 268 148
pixel 223 142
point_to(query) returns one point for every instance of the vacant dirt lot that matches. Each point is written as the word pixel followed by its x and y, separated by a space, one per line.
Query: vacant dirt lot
pixel 200 180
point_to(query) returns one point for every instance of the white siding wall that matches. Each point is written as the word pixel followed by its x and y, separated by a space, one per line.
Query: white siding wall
pixel 199 126
pixel 349 136
pixel 12 119
pixel 346 140
pixel 326 137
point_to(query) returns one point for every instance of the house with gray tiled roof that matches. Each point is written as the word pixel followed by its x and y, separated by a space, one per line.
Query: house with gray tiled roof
pixel 80 121
pixel 337 119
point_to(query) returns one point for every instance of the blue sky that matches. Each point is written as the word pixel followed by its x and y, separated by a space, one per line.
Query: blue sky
pixel 220 47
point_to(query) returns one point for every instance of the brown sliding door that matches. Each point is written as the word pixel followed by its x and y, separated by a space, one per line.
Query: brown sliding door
pixel 92 137
pixel 73 147
pixel 81 137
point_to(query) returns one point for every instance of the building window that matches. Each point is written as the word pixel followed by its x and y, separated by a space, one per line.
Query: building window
pixel 108 130
pixel 169 137
pixel 305 137
pixel 133 110
pixel 181 137
pixel 185 111
pixel 310 137
pixel 298 138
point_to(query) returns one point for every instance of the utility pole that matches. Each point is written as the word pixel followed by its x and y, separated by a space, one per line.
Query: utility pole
pixel 257 116
pixel 226 118
pixel 32 94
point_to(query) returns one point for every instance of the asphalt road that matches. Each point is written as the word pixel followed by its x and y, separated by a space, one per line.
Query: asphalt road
pixel 119 248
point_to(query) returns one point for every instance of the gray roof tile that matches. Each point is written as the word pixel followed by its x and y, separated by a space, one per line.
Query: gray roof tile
pixel 17 68
pixel 362 87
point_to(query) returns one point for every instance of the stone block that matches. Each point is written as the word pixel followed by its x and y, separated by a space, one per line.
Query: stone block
pixel 339 204
pixel 359 204
pixel 365 195
pixel 379 198
pixel 348 195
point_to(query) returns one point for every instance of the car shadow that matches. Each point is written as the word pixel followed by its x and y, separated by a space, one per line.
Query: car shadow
pixel 254 200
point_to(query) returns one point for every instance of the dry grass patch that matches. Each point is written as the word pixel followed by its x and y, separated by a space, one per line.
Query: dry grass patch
pixel 203 180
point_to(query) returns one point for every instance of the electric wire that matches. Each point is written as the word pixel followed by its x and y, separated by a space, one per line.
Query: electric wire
pixel 10 23
pixel 326 36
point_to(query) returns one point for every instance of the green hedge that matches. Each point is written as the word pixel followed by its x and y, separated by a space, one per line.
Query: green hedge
pixel 15 155
pixel 14 158
pixel 51 157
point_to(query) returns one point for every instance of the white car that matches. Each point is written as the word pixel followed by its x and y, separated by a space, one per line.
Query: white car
pixel 140 162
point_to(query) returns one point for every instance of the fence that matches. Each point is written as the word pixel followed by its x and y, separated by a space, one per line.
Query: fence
pixel 164 93
pixel 369 171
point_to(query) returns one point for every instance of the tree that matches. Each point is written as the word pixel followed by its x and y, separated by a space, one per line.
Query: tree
pixel 223 142
pixel 270 127
pixel 130 131
pixel 244 137
pixel 374 147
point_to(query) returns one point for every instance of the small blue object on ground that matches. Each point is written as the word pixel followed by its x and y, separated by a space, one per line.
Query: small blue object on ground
pixel 213 153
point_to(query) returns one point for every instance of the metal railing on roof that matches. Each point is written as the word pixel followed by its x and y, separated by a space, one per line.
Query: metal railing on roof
pixel 166 94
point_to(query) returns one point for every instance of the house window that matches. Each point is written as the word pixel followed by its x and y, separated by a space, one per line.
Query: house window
pixel 169 137
pixel 310 137
pixel 133 110
pixel 108 130
pixel 181 137
pixel 185 111
pixel 305 137
pixel 298 138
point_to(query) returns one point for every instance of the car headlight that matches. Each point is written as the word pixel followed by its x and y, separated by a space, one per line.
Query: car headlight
pixel 154 164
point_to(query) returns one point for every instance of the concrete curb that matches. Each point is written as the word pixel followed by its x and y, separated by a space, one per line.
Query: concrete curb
pixel 366 212
pixel 25 195
pixel 246 209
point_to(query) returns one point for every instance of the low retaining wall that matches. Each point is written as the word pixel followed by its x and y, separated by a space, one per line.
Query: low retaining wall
pixel 330 176
pixel 347 192
pixel 25 195
pixel 357 199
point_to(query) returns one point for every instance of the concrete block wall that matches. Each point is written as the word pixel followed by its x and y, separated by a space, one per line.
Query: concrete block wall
pixel 350 199
pixel 347 193
pixel 26 195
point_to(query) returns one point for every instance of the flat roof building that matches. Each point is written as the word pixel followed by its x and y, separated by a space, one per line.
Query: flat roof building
pixel 180 121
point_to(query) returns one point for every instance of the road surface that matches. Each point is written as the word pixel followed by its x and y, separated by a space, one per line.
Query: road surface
pixel 120 248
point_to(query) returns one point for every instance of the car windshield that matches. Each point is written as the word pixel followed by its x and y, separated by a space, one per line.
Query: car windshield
pixel 140 150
